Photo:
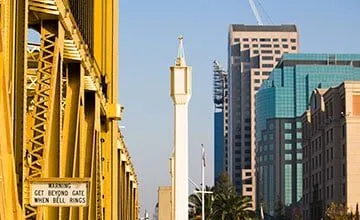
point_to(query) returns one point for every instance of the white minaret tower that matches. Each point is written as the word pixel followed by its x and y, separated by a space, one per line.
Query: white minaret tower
pixel 180 92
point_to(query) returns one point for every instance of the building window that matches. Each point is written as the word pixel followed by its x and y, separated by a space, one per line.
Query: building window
pixel 293 48
pixel 285 46
pixel 344 150
pixel 275 40
pixel 298 135
pixel 266 73
pixel 257 81
pixel 257 73
pixel 265 45
pixel 237 40
pixel 276 45
pixel 298 124
pixel 245 39
pixel 277 51
pixel 255 45
pixel 267 65
pixel 255 51
pixel 299 156
pixel 288 136
pixel 298 146
pixel 246 46
pixel 271 147
pixel 287 125
pixel 265 40
pixel 271 157
pixel 267 58
pixel 327 192
pixel 266 51
pixel 271 137
pixel 284 40
pixel 288 146
pixel 293 40
pixel 331 154
pixel 254 39
pixel 288 157
pixel 288 184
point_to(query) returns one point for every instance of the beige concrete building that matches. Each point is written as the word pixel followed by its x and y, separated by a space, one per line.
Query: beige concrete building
pixel 164 203
pixel 253 51
pixel 331 152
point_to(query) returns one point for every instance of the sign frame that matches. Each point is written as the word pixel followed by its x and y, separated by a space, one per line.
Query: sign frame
pixel 61 180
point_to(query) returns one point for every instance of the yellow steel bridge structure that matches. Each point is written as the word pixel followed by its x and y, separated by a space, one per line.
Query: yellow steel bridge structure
pixel 58 109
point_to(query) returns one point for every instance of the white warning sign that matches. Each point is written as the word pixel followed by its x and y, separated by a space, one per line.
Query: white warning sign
pixel 59 193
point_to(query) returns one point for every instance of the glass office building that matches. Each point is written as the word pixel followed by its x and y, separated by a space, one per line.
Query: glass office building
pixel 280 102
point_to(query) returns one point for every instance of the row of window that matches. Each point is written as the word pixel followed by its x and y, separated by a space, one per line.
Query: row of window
pixel 285 46
pixel 292 40
pixel 265 158
pixel 289 156
pixel 288 125
pixel 288 146
pixel 288 136
pixel 329 194
pixel 258 73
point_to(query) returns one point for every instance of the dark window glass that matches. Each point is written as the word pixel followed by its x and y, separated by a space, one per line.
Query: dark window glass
pixel 265 40
pixel 265 45
pixel 267 65
pixel 266 51
pixel 268 58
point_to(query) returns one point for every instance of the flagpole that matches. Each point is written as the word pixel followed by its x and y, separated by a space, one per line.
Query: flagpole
pixel 203 182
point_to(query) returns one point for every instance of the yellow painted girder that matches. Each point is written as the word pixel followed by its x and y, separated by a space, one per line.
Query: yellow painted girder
pixel 107 162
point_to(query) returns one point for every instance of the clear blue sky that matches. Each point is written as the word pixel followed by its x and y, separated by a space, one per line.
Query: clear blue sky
pixel 148 44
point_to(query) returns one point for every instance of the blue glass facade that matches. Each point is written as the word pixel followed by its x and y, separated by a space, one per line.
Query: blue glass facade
pixel 281 100
pixel 218 143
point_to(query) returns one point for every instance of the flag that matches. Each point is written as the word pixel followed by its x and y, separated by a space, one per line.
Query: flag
pixel 203 155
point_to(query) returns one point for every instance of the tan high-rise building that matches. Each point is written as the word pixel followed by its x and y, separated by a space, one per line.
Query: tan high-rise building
pixel 253 51
pixel 331 152
pixel 164 203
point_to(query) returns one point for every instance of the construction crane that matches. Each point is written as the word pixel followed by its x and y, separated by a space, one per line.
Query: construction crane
pixel 62 154
pixel 256 12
